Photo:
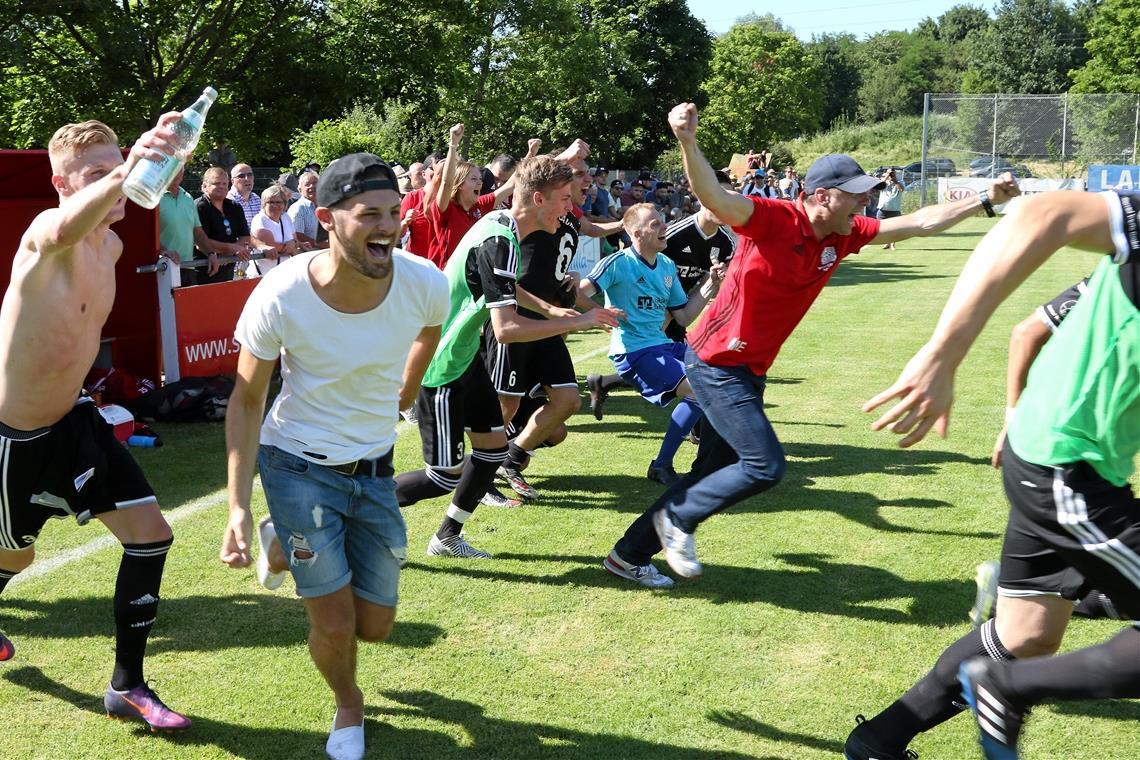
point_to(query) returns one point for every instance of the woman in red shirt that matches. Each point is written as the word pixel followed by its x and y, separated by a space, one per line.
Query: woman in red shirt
pixel 456 204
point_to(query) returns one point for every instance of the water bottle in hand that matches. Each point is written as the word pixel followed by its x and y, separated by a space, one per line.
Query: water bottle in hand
pixel 148 179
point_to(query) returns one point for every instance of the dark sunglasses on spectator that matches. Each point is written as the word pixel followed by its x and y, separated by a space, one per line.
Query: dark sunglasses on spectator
pixel 243 175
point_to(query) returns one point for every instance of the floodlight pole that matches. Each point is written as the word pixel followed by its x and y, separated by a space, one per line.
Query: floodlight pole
pixel 1136 130
pixel 1064 129
pixel 993 146
pixel 925 138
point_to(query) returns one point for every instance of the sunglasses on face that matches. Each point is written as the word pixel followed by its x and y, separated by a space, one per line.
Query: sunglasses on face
pixel 243 176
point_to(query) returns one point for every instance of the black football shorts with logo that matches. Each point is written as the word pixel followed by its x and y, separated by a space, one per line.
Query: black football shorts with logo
pixel 75 468
pixel 468 403
pixel 1068 516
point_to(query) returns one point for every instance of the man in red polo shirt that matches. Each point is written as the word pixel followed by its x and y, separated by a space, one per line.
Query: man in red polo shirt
pixel 786 254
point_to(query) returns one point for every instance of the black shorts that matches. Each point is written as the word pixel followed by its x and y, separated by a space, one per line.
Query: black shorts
pixel 1069 517
pixel 531 402
pixel 469 403
pixel 516 367
pixel 75 468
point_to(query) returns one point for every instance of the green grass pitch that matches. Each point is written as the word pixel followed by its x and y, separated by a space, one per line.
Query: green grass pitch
pixel 823 598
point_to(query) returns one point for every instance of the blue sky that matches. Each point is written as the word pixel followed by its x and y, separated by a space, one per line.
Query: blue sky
pixel 828 16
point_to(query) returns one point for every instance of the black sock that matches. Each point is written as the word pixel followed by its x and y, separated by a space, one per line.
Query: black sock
pixel 1096 605
pixel 478 474
pixel 517 456
pixel 423 484
pixel 1107 671
pixel 5 576
pixel 136 603
pixel 609 382
pixel 938 696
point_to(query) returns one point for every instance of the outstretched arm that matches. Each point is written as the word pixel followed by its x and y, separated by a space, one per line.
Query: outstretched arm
pixel 1029 336
pixel 61 229
pixel 1014 248
pixel 942 216
pixel 699 297
pixel 508 187
pixel 512 327
pixel 442 193
pixel 733 209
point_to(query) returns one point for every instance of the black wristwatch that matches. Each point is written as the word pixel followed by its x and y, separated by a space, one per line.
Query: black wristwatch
pixel 984 197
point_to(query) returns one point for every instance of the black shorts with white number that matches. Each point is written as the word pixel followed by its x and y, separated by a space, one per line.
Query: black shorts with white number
pixel 468 403
pixel 75 468
pixel 517 367
pixel 1069 517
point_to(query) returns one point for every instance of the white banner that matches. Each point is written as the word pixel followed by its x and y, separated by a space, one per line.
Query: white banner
pixel 589 251
pixel 952 189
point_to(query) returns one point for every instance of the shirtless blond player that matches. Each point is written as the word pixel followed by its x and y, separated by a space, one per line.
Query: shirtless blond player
pixel 58 458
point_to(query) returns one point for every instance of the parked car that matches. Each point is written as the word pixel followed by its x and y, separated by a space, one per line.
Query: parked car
pixel 881 171
pixel 994 168
pixel 935 167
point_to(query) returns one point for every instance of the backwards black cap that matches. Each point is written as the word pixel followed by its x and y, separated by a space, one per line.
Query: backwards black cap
pixel 345 177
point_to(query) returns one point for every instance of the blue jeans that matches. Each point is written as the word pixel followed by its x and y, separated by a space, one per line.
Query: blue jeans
pixel 739 456
pixel 349 526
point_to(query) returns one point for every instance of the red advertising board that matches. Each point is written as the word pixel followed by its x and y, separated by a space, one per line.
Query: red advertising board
pixel 132 327
pixel 206 316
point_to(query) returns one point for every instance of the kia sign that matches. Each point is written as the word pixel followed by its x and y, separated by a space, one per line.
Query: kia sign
pixel 960 193
pixel 1113 177
pixel 951 189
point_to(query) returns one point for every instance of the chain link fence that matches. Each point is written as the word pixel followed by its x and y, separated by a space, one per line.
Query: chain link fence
pixel 1050 136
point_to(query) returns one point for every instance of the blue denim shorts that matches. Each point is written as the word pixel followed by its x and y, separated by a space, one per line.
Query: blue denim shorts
pixel 655 371
pixel 350 525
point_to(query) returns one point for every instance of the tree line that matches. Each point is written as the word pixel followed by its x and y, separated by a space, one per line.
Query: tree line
pixel 303 79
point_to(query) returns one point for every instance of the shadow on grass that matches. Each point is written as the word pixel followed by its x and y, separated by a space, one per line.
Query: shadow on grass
pixel 488 737
pixel 740 722
pixel 856 272
pixel 1113 709
pixel 238 741
pixel 807 583
pixel 796 493
pixel 261 619
pixel 499 738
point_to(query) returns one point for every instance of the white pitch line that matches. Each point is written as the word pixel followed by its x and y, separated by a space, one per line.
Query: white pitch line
pixel 187 510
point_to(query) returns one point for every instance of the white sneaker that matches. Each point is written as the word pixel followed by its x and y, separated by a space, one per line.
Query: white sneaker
pixel 345 743
pixel 646 575
pixel 454 546
pixel 265 538
pixel 680 548
pixel 986 600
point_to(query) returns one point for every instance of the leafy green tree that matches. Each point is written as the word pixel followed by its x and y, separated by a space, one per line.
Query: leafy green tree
pixel 391 133
pixel 127 62
pixel 1114 39
pixel 1029 48
pixel 763 86
pixel 841 75
pixel 958 23
pixel 899 67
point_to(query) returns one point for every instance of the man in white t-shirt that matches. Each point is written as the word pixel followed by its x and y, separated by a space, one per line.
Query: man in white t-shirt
pixel 355 328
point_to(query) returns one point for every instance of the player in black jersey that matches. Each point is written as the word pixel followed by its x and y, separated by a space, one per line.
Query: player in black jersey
pixel 516 368
pixel 695 244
